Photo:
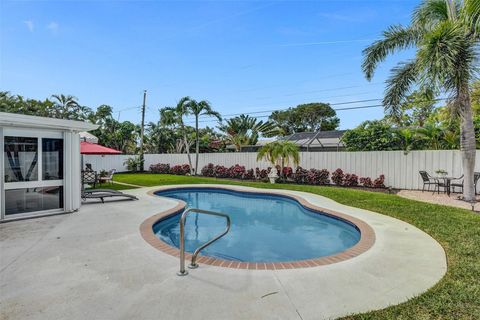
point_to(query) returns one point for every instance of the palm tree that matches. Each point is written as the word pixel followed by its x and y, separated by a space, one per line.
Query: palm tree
pixel 407 139
pixel 66 105
pixel 280 153
pixel 245 130
pixel 445 35
pixel 174 116
pixel 202 108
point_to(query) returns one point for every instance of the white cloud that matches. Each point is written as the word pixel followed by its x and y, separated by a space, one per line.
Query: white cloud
pixel 53 27
pixel 30 25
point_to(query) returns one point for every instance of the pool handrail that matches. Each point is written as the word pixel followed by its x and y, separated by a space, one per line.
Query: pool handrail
pixel 183 218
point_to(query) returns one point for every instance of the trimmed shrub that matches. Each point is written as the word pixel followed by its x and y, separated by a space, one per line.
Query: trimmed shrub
pixel 366 182
pixel 300 175
pixel 318 177
pixel 163 168
pixel 236 172
pixel 208 170
pixel 181 170
pixel 379 182
pixel 287 172
pixel 249 174
pixel 337 177
pixel 220 171
pixel 350 180
pixel 262 174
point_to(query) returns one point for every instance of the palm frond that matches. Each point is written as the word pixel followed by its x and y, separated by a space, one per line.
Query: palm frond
pixel 402 77
pixel 429 13
pixel 395 38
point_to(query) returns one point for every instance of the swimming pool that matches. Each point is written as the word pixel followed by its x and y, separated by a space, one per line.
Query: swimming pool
pixel 265 227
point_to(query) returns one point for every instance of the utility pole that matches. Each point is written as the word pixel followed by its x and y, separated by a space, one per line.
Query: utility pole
pixel 142 158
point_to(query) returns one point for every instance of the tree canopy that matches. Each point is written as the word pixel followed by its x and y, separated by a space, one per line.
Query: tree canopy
pixel 308 117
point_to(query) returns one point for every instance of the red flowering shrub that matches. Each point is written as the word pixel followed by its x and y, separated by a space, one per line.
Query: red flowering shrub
pixel 350 180
pixel 287 172
pixel 181 170
pixel 318 177
pixel 160 168
pixel 236 172
pixel 379 182
pixel 249 174
pixel 262 174
pixel 208 170
pixel 220 172
pixel 337 177
pixel 366 182
pixel 300 175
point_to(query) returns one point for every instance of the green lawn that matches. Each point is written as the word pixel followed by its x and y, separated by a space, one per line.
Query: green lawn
pixel 456 296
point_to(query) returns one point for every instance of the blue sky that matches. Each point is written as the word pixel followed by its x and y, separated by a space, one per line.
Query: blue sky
pixel 242 56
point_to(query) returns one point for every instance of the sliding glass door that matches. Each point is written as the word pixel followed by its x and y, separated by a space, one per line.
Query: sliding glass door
pixel 33 172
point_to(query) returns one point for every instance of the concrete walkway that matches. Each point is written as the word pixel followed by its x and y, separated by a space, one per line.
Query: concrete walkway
pixel 95 265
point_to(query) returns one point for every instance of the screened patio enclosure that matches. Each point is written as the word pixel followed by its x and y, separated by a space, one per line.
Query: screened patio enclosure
pixel 39 166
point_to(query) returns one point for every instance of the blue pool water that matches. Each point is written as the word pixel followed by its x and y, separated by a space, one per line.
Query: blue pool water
pixel 265 228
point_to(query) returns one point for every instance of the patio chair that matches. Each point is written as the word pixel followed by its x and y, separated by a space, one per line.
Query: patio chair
pixel 428 181
pixel 108 177
pixel 89 177
pixel 105 193
pixel 476 177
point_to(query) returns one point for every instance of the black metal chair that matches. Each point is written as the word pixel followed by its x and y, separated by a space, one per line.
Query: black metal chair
pixel 89 177
pixel 428 181
pixel 476 177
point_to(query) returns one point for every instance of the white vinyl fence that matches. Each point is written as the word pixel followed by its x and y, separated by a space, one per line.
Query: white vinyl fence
pixel 400 170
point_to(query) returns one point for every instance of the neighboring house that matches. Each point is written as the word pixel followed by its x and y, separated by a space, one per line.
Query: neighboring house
pixel 321 141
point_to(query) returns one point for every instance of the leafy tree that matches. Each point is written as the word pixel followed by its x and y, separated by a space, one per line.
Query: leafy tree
pixel 202 108
pixel 415 110
pixel 308 117
pixel 374 135
pixel 244 130
pixel 445 35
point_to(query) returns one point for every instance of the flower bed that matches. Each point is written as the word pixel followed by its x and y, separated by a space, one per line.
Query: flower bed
pixel 299 175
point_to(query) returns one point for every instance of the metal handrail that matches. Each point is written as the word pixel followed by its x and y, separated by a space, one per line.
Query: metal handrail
pixel 193 263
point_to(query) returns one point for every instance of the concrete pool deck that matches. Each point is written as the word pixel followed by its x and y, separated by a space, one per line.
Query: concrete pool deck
pixel 94 264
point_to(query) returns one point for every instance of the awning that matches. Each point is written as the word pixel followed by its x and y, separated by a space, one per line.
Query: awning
pixel 93 148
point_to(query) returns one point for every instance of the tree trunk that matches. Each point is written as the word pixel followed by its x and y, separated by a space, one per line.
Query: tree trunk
pixel 197 144
pixel 187 149
pixel 467 143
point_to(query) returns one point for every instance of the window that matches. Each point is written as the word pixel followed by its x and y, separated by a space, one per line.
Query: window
pixel 52 159
pixel 33 199
pixel 21 159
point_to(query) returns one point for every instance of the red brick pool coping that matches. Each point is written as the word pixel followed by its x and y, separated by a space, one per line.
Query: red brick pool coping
pixel 367 236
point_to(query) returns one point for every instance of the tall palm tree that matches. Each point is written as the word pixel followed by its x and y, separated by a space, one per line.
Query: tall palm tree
pixel 202 108
pixel 174 116
pixel 445 34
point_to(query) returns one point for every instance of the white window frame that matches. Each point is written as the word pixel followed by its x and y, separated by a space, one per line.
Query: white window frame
pixel 39 134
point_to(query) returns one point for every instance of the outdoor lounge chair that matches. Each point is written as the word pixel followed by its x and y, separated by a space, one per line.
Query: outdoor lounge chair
pixel 105 193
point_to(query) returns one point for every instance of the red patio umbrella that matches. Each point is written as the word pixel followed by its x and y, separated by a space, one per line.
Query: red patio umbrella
pixel 93 148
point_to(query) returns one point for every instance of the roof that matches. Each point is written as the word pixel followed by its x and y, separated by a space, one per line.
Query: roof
pixel 85 136
pixel 93 148
pixel 319 138
pixel 21 120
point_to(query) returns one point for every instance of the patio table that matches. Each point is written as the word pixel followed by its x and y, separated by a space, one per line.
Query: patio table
pixel 447 181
